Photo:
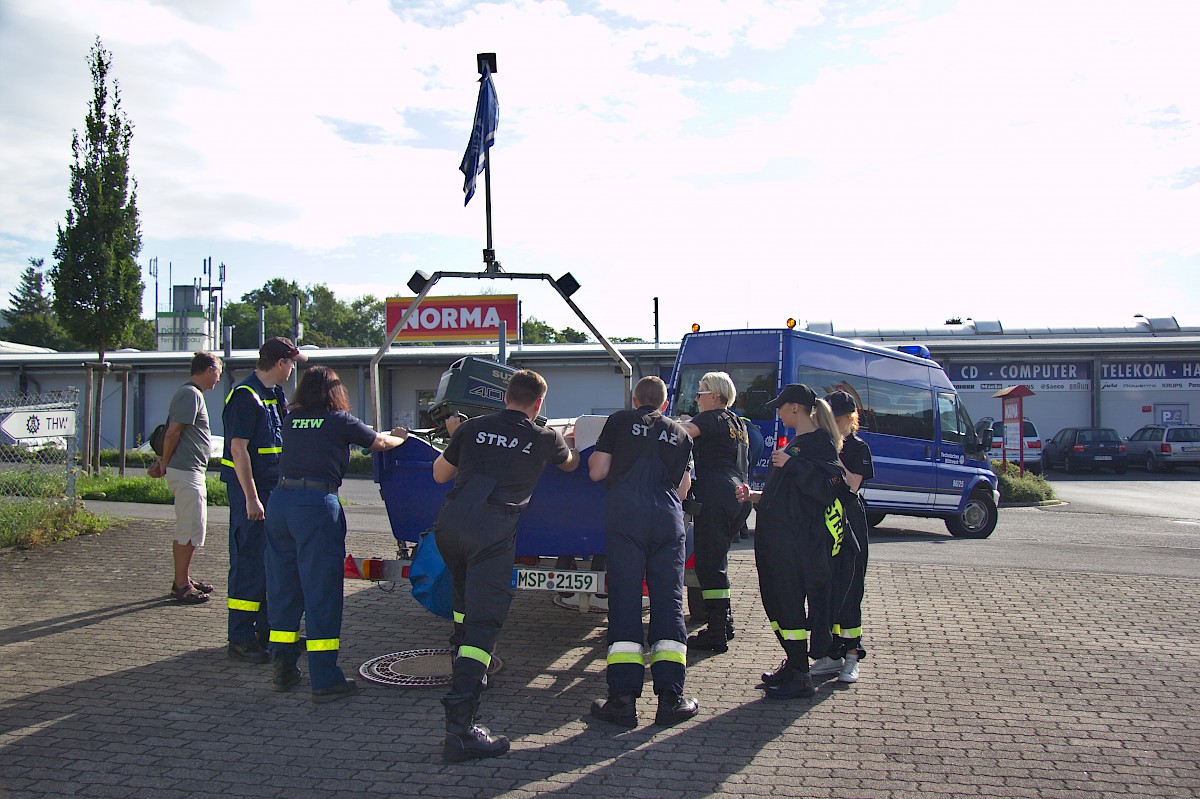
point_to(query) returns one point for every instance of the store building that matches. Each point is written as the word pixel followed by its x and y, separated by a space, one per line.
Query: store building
pixel 1119 377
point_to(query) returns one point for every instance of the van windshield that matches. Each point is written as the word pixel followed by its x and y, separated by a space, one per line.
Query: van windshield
pixel 756 383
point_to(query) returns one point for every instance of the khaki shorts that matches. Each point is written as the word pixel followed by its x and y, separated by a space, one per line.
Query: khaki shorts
pixel 191 505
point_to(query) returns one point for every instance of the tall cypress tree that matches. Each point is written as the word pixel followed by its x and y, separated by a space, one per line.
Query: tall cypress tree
pixel 97 282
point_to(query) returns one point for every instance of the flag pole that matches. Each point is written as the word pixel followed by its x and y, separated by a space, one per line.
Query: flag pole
pixel 486 63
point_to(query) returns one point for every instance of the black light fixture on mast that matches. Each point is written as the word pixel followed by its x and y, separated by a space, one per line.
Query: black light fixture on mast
pixel 567 284
pixel 418 282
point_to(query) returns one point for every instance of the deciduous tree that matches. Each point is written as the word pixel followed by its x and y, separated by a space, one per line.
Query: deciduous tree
pixel 97 281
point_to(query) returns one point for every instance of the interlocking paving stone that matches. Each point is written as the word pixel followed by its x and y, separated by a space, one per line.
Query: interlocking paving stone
pixel 982 682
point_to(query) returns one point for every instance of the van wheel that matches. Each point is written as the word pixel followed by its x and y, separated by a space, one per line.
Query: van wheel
pixel 873 519
pixel 978 519
pixel 1151 464
pixel 1067 467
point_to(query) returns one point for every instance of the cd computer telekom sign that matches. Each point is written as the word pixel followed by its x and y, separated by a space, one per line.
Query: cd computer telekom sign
pixel 455 318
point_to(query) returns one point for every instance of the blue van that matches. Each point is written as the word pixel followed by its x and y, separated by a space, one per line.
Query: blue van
pixel 929 461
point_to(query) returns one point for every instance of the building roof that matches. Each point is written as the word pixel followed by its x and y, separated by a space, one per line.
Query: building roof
pixel 10 347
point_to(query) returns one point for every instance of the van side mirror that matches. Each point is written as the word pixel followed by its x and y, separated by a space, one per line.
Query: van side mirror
pixel 986 438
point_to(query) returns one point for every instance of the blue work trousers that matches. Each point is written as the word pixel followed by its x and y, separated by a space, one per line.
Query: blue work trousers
pixel 306 549
pixel 645 540
pixel 247 569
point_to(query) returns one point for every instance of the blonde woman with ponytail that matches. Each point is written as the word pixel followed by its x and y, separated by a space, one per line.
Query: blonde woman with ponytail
pixel 798 529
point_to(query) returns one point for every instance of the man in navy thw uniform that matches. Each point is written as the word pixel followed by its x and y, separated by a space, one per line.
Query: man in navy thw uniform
pixel 495 462
pixel 643 459
pixel 253 419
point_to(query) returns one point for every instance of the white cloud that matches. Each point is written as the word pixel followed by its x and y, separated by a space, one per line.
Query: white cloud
pixel 919 154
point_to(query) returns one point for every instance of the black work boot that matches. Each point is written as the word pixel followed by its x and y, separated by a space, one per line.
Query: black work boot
pixel 284 675
pixel 714 637
pixel 248 652
pixel 800 684
pixel 729 625
pixel 617 708
pixel 466 740
pixel 673 708
pixel 711 639
pixel 780 675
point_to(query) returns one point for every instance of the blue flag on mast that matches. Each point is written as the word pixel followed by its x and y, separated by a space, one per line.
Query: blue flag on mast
pixel 483 134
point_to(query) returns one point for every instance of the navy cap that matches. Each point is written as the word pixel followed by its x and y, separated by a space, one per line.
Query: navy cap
pixel 279 347
pixel 794 392
pixel 841 403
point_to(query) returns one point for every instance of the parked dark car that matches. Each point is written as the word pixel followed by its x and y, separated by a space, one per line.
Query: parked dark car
pixel 1160 448
pixel 1077 448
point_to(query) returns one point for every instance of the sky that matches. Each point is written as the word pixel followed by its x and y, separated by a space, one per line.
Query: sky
pixel 872 163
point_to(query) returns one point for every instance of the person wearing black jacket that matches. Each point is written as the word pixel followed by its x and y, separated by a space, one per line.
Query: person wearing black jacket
pixel 495 462
pixel 850 565
pixel 798 530
pixel 720 450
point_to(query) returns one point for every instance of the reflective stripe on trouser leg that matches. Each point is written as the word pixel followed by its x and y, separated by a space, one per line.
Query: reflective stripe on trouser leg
pixel 323 644
pixel 668 664
pixel 626 652
pixel 625 668
pixel 247 571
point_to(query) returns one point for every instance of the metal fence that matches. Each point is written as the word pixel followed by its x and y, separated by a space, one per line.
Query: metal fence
pixel 38 445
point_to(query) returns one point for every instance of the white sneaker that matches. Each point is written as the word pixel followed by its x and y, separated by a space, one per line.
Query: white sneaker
pixel 825 665
pixel 849 668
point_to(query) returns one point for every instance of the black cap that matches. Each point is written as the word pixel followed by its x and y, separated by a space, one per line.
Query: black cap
pixel 280 347
pixel 841 403
pixel 794 392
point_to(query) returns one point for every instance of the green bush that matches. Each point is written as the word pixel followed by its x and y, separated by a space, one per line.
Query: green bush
pixel 33 482
pixel 360 463
pixel 142 489
pixel 32 523
pixel 1015 487
pixel 13 453
pixel 141 460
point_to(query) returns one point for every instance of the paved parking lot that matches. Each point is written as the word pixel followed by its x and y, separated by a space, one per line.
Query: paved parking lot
pixel 982 681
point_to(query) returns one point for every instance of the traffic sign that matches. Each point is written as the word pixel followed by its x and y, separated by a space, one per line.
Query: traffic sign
pixel 39 424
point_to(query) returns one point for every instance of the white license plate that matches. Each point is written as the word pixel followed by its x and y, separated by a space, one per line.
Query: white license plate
pixel 1103 457
pixel 1190 449
pixel 555 580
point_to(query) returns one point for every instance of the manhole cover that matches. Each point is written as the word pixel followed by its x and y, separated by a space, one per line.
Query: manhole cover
pixel 416 668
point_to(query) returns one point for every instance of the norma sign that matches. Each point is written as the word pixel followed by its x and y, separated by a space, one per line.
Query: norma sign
pixel 39 424
pixel 455 318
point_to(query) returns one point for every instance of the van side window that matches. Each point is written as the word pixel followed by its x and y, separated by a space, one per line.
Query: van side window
pixel 756 383
pixel 898 410
pixel 825 381
pixel 952 431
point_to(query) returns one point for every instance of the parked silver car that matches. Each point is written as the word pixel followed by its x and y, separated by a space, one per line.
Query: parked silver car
pixel 1031 444
pixel 1159 448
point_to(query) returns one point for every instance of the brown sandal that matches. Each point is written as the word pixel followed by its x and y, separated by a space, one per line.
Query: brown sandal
pixel 188 595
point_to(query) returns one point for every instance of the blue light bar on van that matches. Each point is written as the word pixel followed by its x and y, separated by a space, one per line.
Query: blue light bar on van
pixel 919 350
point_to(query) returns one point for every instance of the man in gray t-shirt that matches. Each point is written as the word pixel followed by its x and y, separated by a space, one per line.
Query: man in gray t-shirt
pixel 187 446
